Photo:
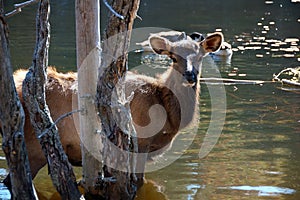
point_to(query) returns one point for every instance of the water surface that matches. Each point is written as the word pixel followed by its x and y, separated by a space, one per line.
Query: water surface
pixel 257 155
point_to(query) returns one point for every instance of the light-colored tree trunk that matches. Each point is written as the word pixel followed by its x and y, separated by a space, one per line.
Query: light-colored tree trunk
pixel 12 124
pixel 46 131
pixel 88 60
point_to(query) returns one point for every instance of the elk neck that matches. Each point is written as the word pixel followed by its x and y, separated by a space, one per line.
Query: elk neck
pixel 180 100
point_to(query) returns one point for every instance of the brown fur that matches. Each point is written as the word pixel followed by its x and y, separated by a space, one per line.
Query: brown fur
pixel 178 109
pixel 59 99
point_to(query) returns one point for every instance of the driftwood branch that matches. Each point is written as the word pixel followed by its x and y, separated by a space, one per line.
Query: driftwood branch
pixel 293 73
pixel 19 6
pixel 12 120
pixel 61 171
pixel 227 81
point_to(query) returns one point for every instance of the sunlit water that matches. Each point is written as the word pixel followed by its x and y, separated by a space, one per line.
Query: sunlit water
pixel 257 155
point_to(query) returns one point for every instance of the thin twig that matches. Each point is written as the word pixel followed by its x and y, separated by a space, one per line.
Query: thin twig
pixel 57 120
pixel 112 10
pixel 276 77
pixel 24 4
pixel 66 115
pixel 18 7
pixel 12 13
pixel 292 70
pixel 227 81
pixel 295 80
pixel 139 17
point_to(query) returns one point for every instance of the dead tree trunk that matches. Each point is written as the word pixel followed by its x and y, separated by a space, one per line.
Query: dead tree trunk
pixel 88 60
pixel 119 180
pixel 60 169
pixel 12 124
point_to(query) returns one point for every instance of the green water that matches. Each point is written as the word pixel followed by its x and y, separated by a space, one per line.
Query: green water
pixel 258 153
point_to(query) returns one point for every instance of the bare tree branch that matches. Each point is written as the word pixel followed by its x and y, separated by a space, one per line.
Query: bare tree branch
pixel 61 171
pixel 26 3
pixel 12 125
pixel 56 121
pixel 228 81
pixel 19 6
pixel 112 10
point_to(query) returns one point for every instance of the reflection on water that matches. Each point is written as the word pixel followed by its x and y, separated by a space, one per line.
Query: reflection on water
pixel 262 190
pixel 257 155
pixel 4 193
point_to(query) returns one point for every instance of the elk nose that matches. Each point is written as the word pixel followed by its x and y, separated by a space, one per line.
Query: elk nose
pixel 190 76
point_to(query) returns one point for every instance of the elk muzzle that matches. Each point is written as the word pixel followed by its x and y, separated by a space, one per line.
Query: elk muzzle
pixel 191 76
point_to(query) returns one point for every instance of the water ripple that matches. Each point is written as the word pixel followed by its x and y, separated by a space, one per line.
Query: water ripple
pixel 262 190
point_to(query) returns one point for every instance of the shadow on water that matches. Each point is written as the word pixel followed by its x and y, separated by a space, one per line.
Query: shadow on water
pixel 257 155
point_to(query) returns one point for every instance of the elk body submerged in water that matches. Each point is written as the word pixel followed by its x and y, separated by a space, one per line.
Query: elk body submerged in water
pixel 160 107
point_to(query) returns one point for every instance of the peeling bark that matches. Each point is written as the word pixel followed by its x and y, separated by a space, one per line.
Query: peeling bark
pixel 60 169
pixel 113 107
pixel 12 123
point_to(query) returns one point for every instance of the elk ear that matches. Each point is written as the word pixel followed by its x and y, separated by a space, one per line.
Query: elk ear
pixel 212 42
pixel 160 45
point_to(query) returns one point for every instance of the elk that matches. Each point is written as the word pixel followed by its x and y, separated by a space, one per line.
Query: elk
pixel 160 106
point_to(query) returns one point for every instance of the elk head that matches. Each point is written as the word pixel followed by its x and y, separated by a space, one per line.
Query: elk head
pixel 186 54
